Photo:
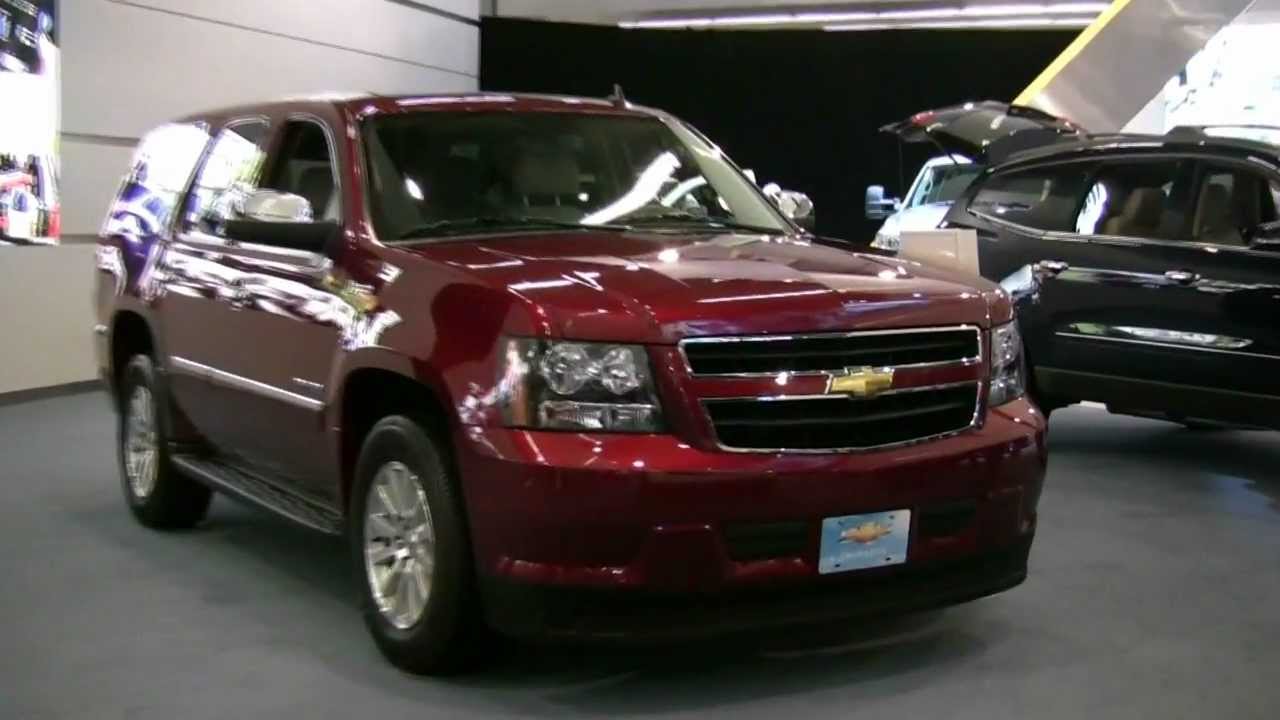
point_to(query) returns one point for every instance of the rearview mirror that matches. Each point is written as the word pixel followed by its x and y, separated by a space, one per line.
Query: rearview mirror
pixel 878 207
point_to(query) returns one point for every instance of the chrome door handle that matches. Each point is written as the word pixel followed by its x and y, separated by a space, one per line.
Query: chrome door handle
pixel 1052 267
pixel 1182 277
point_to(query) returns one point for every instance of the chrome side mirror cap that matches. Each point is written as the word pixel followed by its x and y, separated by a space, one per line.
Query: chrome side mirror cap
pixel 277 207
pixel 797 206
pixel 879 207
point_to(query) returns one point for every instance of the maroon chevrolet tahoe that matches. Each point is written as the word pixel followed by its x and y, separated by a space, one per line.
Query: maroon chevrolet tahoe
pixel 556 367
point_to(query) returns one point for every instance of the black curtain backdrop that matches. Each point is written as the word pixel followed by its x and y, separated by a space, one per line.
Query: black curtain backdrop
pixel 800 108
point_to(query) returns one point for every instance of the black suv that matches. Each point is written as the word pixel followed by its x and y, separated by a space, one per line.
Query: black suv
pixel 1146 269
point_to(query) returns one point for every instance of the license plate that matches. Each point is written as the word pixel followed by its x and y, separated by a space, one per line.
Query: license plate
pixel 858 542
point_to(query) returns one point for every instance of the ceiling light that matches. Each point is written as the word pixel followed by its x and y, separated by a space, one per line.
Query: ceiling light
pixel 1029 22
pixel 825 18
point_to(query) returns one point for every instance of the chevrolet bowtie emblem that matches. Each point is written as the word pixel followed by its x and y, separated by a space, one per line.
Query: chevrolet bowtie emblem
pixel 861 382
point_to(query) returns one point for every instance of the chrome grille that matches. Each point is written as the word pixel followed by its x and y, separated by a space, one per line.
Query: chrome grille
pixel 774 354
pixel 839 422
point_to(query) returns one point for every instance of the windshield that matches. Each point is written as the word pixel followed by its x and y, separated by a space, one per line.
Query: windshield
pixel 440 173
pixel 942 183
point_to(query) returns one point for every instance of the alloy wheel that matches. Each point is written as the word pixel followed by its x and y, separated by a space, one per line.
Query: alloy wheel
pixel 399 545
pixel 141 449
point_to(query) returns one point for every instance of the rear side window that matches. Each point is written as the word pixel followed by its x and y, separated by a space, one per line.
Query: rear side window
pixel 1138 199
pixel 149 194
pixel 1044 198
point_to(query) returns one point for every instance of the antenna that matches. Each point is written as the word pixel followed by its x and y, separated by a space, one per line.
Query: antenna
pixel 618 97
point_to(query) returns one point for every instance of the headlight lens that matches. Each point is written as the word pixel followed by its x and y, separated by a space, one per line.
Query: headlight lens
pixel 885 241
pixel 1008 370
pixel 557 385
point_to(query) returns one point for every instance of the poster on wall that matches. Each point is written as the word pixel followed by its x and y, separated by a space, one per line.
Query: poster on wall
pixel 30 213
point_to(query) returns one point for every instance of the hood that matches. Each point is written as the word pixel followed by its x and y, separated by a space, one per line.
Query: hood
pixel 987 132
pixel 659 288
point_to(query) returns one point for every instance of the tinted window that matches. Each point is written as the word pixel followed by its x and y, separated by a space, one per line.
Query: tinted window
pixel 1230 203
pixel 304 166
pixel 229 173
pixel 943 183
pixel 1045 198
pixel 1141 199
pixel 157 178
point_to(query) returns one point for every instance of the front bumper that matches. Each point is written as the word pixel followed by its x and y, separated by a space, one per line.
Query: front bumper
pixel 652 515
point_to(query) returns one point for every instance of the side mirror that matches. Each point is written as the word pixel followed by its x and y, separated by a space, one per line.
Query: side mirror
pixel 797 206
pixel 276 206
pixel 284 220
pixel 878 207
pixel 1267 237
pixel 751 175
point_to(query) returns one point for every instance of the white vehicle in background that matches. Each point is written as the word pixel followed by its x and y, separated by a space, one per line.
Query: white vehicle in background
pixel 971 136
pixel 938 184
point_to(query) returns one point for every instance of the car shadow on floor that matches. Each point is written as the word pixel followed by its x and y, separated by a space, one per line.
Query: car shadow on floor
pixel 305 595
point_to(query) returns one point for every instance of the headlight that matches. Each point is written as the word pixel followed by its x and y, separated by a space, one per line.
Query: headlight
pixel 885 241
pixel 560 385
pixel 1008 371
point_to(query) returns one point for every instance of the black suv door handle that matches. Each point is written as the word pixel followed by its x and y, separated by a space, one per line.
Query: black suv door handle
pixel 1182 277
pixel 1052 267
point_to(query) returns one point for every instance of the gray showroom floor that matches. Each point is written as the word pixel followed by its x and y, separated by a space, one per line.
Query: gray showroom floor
pixel 1155 592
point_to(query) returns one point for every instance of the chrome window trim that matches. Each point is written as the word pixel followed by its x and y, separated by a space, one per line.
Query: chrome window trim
pixel 239 382
pixel 978 385
pixel 302 259
pixel 1174 346
pixel 963 362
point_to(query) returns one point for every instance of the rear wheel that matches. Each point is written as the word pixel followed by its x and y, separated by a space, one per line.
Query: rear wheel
pixel 156 493
pixel 410 545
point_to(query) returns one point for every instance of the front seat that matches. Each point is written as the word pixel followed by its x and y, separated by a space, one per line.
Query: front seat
pixel 1141 215
pixel 547 183
pixel 1215 220
pixel 316 185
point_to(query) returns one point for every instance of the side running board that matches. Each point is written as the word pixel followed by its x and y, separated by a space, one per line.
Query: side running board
pixel 262 493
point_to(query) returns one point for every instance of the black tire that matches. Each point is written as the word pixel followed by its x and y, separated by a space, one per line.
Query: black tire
pixel 447 637
pixel 173 501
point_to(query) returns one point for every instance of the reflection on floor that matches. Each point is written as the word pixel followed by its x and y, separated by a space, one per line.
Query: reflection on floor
pixel 1153 594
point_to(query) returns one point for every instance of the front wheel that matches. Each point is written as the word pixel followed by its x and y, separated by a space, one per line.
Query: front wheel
pixel 156 493
pixel 410 545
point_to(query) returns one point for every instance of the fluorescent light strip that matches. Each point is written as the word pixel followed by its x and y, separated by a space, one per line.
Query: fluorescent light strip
pixel 1029 22
pixel 820 18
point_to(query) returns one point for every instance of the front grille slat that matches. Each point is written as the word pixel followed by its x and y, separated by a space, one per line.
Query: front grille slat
pixel 829 352
pixel 839 422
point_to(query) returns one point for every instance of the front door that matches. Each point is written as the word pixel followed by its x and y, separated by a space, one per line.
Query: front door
pixel 272 327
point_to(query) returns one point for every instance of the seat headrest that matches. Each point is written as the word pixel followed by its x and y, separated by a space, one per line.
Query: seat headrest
pixel 1215 204
pixel 545 171
pixel 1144 206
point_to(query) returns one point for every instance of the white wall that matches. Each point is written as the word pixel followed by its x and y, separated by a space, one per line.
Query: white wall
pixel 129 65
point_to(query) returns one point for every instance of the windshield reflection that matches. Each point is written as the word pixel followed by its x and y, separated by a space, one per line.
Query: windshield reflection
pixel 435 174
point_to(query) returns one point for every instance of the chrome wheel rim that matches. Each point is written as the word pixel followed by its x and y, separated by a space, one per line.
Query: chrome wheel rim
pixel 141 451
pixel 399 545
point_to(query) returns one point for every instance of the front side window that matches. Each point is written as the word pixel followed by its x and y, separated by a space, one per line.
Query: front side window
pixel 441 173
pixel 1044 198
pixel 304 166
pixel 943 183
pixel 1231 203
pixel 1139 199
pixel 230 172
pixel 158 175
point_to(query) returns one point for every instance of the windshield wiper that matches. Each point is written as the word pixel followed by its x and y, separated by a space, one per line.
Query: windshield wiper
pixel 494 222
pixel 691 222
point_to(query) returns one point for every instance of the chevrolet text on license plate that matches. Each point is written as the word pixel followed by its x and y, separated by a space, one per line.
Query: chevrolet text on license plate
pixel 857 542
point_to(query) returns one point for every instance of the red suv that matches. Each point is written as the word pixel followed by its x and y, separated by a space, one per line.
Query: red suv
pixel 554 366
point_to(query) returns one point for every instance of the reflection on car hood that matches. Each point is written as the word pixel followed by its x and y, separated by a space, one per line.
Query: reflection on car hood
pixel 654 287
